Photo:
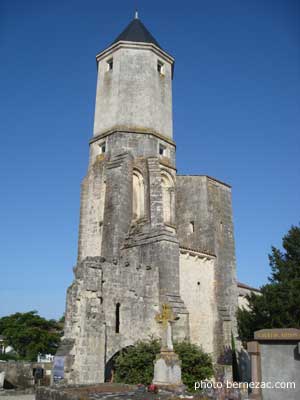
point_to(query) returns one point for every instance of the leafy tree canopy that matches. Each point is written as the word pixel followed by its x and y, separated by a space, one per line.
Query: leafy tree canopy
pixel 136 364
pixel 278 306
pixel 30 334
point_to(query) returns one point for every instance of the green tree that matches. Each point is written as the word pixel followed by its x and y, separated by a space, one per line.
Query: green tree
pixel 30 334
pixel 136 363
pixel 278 306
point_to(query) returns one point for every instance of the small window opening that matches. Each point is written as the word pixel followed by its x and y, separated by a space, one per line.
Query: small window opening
pixel 102 147
pixel 160 67
pixel 162 150
pixel 192 227
pixel 198 283
pixel 110 64
pixel 118 305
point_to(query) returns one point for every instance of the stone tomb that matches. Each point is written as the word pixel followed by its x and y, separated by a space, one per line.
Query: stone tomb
pixel 275 362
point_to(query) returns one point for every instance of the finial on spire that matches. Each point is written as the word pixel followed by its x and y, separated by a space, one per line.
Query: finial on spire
pixel 136 15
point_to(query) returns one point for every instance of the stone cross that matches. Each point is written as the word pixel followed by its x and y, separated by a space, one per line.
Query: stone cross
pixel 166 318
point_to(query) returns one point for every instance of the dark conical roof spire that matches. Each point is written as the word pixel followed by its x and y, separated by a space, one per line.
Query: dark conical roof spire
pixel 136 32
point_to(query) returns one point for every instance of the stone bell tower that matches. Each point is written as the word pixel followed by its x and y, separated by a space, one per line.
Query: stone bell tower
pixel 128 250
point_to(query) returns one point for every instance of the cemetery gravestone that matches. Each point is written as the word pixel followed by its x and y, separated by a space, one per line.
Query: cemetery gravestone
pixel 275 360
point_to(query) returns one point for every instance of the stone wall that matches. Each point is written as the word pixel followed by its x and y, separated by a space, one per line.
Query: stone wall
pixel 192 205
pixel 106 192
pixel 133 94
pixel 219 203
pixel 243 292
pixel 197 289
pixel 80 392
pixel 93 190
pixel 123 262
pixel 275 362
pixel 19 374
pixel 287 356
pixel 204 225
pixel 136 265
pixel 92 322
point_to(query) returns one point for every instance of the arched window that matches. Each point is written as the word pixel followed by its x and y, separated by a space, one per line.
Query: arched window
pixel 138 196
pixel 168 194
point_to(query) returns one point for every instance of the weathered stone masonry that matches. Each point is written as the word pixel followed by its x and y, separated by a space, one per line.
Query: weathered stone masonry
pixel 207 203
pixel 146 236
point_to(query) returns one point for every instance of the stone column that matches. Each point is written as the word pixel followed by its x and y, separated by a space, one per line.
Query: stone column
pixel 253 350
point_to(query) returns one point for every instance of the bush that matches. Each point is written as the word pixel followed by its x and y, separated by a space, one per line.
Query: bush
pixel 9 357
pixel 135 364
pixel 196 364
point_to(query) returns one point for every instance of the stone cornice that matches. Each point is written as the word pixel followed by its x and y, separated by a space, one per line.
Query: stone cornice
pixel 166 164
pixel 133 130
pixel 150 237
pixel 194 252
pixel 135 45
pixel 209 178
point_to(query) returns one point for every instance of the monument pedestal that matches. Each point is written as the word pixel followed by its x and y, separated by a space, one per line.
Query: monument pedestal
pixel 167 371
pixel 167 366
pixel 2 377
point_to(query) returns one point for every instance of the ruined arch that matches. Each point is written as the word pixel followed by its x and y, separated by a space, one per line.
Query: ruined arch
pixel 110 364
pixel 168 197
pixel 138 196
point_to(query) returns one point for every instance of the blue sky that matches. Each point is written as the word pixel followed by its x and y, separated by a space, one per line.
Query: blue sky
pixel 236 98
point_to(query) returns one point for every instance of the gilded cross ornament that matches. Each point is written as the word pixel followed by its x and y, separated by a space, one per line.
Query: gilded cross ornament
pixel 166 315
pixel 165 318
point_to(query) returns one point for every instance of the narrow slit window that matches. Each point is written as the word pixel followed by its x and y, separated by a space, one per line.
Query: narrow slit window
pixel 102 147
pixel 192 227
pixel 162 150
pixel 110 65
pixel 160 67
pixel 118 305
pixel 138 196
